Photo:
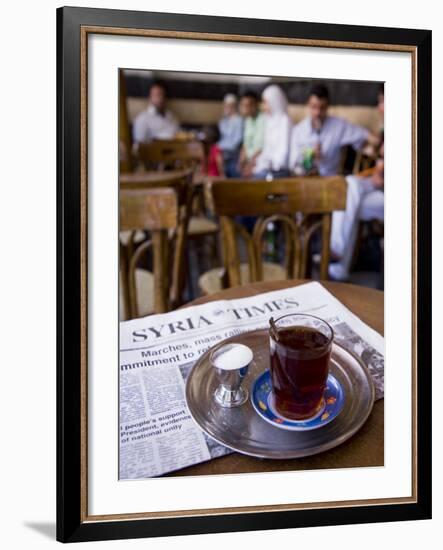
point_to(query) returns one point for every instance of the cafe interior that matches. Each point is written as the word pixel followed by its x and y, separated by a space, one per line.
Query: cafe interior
pixel 202 212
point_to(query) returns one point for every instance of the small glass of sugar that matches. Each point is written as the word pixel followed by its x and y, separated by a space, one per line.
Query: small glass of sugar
pixel 231 363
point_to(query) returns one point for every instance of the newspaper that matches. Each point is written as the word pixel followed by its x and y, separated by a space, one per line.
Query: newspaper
pixel 157 432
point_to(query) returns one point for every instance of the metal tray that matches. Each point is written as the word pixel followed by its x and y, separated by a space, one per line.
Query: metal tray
pixel 243 430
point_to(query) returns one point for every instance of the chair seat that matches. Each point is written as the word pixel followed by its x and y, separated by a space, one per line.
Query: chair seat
pixel 138 237
pixel 144 289
pixel 211 281
pixel 200 225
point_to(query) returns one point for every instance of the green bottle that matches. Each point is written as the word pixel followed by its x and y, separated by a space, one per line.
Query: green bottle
pixel 308 160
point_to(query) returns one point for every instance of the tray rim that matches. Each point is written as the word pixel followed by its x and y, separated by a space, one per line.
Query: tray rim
pixel 325 446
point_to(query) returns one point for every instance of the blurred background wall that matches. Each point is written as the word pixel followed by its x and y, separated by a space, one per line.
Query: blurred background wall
pixel 196 98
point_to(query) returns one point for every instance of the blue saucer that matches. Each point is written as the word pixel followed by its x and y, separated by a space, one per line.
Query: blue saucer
pixel 263 402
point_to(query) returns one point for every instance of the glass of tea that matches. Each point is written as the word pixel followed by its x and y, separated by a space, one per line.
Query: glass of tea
pixel 300 348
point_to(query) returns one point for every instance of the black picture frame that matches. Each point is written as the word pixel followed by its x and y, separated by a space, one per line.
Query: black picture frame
pixel 72 526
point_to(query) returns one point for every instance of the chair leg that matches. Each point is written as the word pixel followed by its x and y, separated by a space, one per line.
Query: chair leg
pixel 190 285
pixel 124 281
pixel 214 251
pixel 357 245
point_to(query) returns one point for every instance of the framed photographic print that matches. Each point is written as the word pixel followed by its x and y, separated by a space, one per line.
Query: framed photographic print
pixel 234 275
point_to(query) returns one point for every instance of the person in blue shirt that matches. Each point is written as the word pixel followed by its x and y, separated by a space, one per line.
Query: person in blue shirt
pixel 231 131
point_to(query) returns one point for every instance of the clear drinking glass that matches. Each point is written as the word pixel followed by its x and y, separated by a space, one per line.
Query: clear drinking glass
pixel 300 348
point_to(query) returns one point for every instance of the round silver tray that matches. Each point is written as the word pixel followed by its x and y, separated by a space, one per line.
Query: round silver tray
pixel 243 430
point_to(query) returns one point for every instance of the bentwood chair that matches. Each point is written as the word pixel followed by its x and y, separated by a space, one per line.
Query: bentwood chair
pixel 301 206
pixel 368 228
pixel 173 154
pixel 180 180
pixel 130 239
pixel 165 154
pixel 155 210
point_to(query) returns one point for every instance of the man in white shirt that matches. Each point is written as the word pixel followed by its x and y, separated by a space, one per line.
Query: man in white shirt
pixel 316 144
pixel 364 202
pixel 317 140
pixel 155 122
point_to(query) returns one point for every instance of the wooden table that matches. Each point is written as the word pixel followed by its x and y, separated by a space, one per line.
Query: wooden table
pixel 365 448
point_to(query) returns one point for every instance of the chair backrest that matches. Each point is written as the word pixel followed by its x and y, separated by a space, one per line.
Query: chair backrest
pixel 157 211
pixel 153 178
pixel 171 154
pixel 363 162
pixel 181 183
pixel 302 205
pixel 354 161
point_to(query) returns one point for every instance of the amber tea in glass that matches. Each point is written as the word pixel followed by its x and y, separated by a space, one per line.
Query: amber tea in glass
pixel 300 348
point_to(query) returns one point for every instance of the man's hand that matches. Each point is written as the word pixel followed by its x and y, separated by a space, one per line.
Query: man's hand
pixel 247 169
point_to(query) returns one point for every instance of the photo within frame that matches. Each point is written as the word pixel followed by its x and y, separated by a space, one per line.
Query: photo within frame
pixel 192 131
pixel 248 282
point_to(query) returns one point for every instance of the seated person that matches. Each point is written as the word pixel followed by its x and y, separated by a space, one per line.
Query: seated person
pixel 272 162
pixel 372 205
pixel 317 140
pixel 373 202
pixel 214 155
pixel 253 132
pixel 231 131
pixel 155 122
pixel 364 202
pixel 370 151
pixel 381 108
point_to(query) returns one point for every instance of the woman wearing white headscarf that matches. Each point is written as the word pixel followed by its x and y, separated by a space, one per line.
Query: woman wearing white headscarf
pixel 273 160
